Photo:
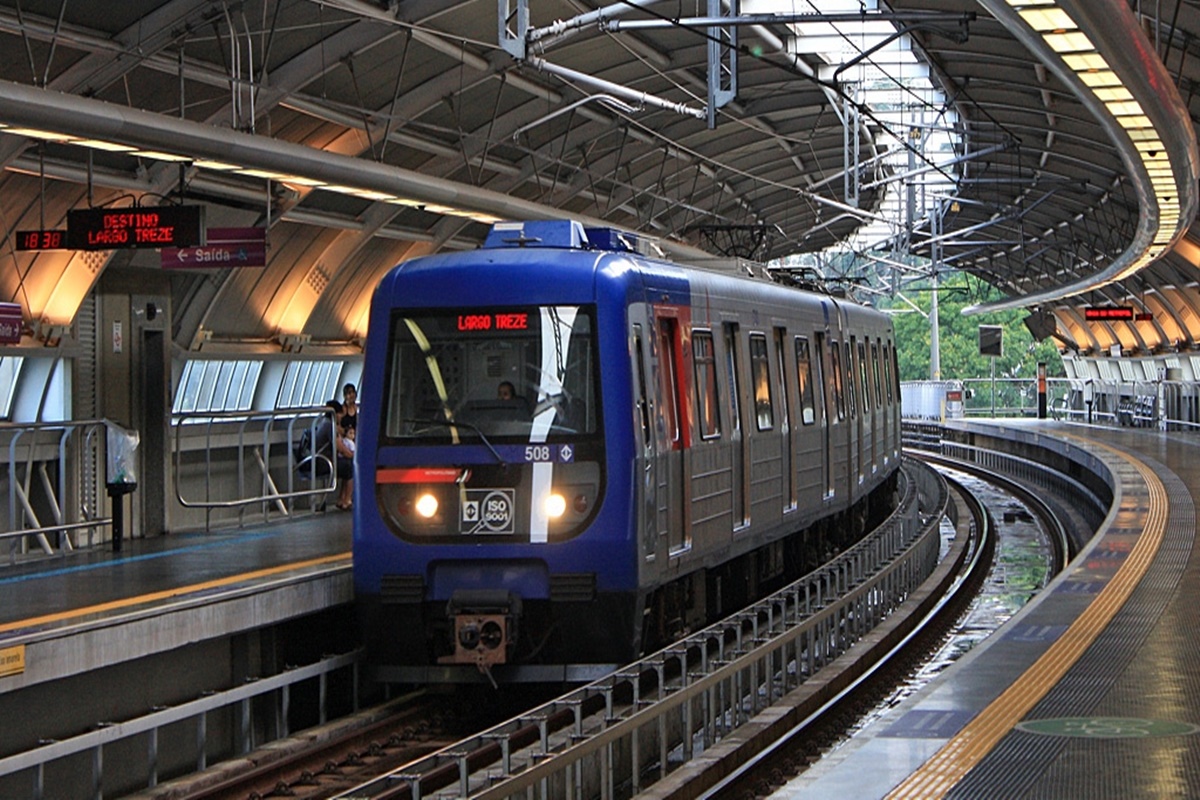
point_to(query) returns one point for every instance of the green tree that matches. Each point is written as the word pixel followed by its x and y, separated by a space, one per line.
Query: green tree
pixel 959 337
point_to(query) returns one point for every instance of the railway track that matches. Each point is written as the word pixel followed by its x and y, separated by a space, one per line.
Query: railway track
pixel 834 724
pixel 393 757
pixel 324 762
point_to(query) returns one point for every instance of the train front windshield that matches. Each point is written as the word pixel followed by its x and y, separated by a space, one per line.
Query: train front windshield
pixel 515 374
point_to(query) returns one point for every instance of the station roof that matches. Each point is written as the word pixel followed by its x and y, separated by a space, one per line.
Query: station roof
pixel 360 133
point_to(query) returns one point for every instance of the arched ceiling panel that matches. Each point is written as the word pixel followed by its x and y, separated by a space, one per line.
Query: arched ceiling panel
pixel 1043 196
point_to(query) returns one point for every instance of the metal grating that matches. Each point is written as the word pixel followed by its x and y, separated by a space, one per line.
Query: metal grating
pixel 573 587
pixel 394 589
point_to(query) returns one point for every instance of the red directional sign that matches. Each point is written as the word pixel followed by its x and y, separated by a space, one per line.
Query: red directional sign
pixel 10 323
pixel 227 247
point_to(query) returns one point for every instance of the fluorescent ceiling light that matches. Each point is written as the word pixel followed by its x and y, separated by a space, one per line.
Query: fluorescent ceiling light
pixel 1135 121
pixel 1073 42
pixel 302 181
pixel 1124 108
pixel 1081 62
pixel 263 173
pixel 1098 78
pixel 368 194
pixel 1048 19
pixel 1109 94
pixel 100 144
pixel 217 165
pixel 160 156
pixel 34 133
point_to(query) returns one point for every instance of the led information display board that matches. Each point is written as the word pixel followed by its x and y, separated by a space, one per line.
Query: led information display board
pixel 1108 313
pixel 124 228
pixel 487 322
pixel 41 240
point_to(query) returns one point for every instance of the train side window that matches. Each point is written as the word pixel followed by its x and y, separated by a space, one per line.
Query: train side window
pixel 894 365
pixel 875 374
pixel 848 366
pixel 705 369
pixel 835 378
pixel 865 385
pixel 760 368
pixel 887 371
pixel 643 404
pixel 731 367
pixel 666 365
pixel 781 365
pixel 808 414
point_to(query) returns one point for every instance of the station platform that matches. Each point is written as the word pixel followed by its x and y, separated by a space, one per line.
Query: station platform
pixel 65 616
pixel 1092 689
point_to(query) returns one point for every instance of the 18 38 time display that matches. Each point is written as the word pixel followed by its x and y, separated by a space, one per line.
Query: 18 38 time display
pixel 41 240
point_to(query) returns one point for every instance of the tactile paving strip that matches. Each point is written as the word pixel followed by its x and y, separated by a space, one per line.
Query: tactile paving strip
pixel 1154 627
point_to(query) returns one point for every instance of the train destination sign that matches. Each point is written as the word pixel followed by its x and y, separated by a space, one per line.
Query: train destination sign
pixel 1108 313
pixel 41 240
pixel 498 322
pixel 125 228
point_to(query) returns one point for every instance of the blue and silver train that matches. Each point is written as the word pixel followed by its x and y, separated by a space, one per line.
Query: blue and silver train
pixel 570 453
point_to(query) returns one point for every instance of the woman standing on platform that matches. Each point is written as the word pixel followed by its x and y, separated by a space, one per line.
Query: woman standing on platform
pixel 349 427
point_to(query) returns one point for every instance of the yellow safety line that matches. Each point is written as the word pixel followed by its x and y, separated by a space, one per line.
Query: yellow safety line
pixel 168 593
pixel 959 755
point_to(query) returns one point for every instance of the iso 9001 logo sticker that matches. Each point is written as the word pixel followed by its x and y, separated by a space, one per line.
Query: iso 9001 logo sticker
pixel 488 511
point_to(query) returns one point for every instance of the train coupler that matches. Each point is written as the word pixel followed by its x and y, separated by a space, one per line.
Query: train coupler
pixel 484 627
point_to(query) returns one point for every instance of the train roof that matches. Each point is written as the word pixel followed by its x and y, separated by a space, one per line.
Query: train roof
pixel 516 243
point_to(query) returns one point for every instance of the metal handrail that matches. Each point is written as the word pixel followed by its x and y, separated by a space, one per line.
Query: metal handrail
pixel 195 710
pixel 249 436
pixel 1171 404
pixel 77 449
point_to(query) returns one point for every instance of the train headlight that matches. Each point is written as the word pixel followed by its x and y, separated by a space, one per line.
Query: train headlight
pixel 556 506
pixel 427 505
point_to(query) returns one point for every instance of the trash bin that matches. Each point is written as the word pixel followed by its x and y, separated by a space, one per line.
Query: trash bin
pixel 120 476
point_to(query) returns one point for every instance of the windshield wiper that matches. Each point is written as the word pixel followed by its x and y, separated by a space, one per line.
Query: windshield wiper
pixel 454 424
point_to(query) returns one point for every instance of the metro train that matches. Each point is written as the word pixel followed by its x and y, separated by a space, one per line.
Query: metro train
pixel 571 452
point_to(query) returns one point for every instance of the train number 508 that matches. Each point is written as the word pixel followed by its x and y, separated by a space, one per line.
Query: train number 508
pixel 537 453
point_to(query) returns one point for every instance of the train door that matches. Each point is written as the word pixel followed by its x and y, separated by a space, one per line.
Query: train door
pixel 786 426
pixel 671 457
pixel 648 450
pixel 737 432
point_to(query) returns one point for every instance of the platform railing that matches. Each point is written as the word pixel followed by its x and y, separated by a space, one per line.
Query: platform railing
pixel 236 467
pixel 1171 405
pixel 241 701
pixel 54 492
